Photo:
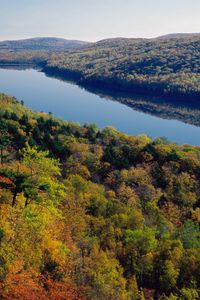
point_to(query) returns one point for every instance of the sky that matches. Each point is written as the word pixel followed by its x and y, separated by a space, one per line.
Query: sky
pixel 93 20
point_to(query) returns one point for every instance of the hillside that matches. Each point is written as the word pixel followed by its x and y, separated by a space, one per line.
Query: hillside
pixel 95 214
pixel 178 35
pixel 159 67
pixel 35 51
pixel 40 44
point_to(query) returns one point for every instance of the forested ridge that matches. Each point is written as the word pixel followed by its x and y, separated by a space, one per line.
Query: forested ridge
pixel 40 44
pixel 163 67
pixel 35 51
pixel 95 214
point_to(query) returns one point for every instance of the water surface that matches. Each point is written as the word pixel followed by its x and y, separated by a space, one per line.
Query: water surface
pixel 70 102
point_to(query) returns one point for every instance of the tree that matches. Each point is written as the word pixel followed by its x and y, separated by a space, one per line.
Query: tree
pixel 14 180
pixel 103 277
pixel 4 141
pixel 139 247
pixel 43 175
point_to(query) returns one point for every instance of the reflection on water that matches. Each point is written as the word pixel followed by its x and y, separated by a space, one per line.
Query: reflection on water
pixel 163 108
pixel 154 117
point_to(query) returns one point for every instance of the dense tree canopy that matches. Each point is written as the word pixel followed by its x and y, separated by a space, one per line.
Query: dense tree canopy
pixel 164 67
pixel 95 214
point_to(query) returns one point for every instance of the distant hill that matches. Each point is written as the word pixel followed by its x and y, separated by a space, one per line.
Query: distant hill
pixel 41 44
pixel 178 35
pixel 116 42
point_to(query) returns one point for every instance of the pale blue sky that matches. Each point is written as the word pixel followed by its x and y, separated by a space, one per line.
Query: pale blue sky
pixel 97 19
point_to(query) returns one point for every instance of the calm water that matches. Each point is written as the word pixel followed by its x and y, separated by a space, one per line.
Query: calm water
pixel 70 102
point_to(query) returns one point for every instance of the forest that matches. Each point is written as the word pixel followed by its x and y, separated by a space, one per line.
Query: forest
pixel 95 214
pixel 35 51
pixel 40 44
pixel 167 67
